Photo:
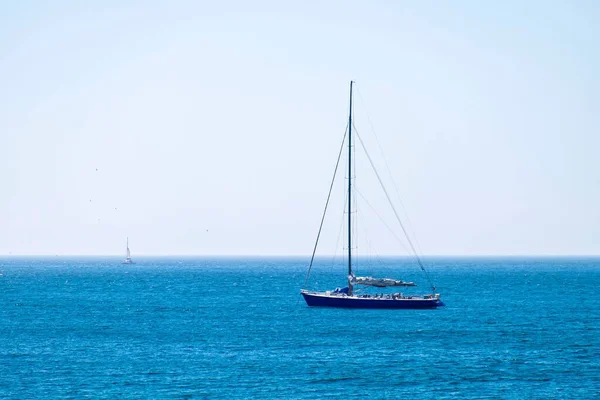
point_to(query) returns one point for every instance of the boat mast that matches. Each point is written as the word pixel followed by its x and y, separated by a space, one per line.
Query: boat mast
pixel 350 193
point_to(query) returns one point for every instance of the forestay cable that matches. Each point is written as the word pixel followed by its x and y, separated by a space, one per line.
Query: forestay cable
pixel 395 212
pixel 388 170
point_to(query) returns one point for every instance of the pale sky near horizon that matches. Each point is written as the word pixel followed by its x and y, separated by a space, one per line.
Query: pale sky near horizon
pixel 212 127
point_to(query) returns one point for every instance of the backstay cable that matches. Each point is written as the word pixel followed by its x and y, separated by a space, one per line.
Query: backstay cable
pixel 312 258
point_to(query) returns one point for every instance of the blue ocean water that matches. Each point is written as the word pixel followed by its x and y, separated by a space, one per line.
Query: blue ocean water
pixel 238 328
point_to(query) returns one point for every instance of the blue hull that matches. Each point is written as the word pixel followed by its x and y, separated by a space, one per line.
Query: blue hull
pixel 323 300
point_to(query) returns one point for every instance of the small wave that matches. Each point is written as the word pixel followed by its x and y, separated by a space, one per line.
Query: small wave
pixel 330 380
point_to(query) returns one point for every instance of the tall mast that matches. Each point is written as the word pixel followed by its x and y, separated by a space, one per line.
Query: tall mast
pixel 350 191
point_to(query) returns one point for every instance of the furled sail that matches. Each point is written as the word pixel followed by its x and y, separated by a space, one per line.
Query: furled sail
pixel 378 282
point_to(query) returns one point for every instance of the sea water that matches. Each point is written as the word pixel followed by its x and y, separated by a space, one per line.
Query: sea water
pixel 514 328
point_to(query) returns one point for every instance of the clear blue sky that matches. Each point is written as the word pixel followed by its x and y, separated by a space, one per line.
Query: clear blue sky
pixel 214 126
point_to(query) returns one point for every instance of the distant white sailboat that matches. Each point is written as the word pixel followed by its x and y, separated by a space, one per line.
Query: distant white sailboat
pixel 128 259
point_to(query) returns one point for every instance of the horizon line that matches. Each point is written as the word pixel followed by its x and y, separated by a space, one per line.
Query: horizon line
pixel 305 255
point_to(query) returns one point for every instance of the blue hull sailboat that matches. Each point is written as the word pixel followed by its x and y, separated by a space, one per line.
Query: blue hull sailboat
pixel 347 297
pixel 333 299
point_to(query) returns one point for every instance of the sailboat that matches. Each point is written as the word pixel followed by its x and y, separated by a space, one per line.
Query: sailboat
pixel 128 259
pixel 347 297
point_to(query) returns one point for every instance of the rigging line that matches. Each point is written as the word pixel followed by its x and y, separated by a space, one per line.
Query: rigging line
pixel 341 228
pixel 388 170
pixel 370 245
pixel 382 220
pixel 312 258
pixel 370 248
pixel 395 212
pixel 337 242
pixel 373 254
